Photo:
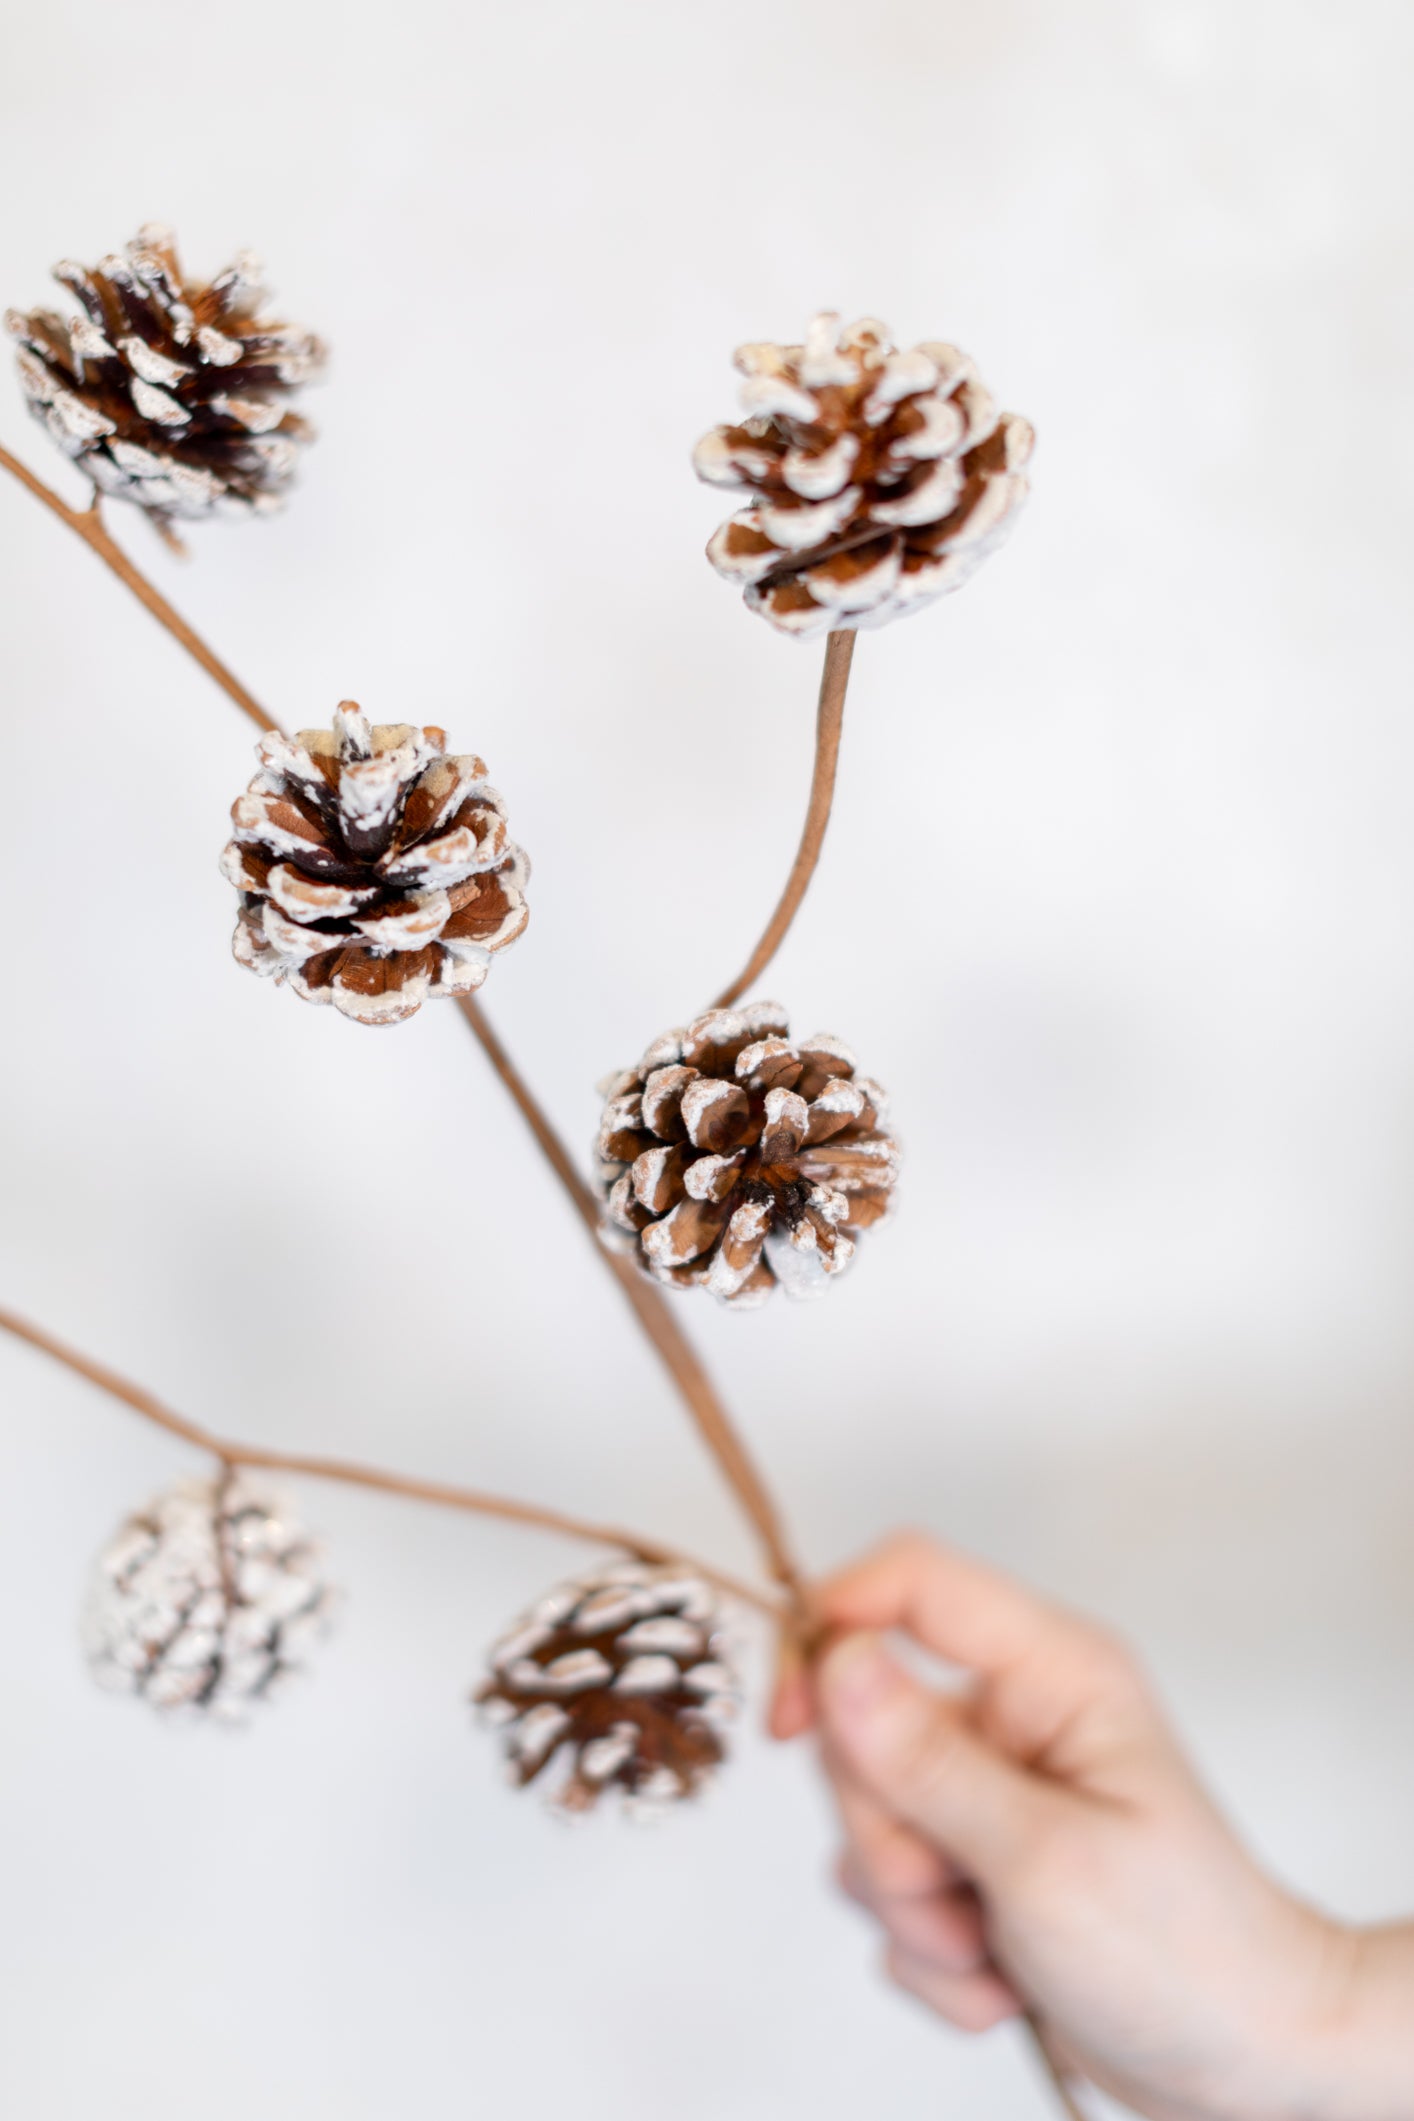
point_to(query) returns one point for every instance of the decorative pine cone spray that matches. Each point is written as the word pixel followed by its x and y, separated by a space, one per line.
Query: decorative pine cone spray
pixel 879 479
pixel 620 1673
pixel 166 392
pixel 733 1159
pixel 207 1599
pixel 375 868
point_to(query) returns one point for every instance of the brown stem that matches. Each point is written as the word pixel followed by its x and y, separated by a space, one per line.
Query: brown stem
pixel 90 526
pixel 834 679
pixel 241 1454
pixel 1055 2077
pixel 651 1308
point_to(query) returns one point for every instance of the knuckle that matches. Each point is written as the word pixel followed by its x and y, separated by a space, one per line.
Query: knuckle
pixel 938 1931
pixel 1108 1657
pixel 909 1545
pixel 902 1868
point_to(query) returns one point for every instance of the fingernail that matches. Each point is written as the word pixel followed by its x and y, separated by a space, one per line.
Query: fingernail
pixel 858 1675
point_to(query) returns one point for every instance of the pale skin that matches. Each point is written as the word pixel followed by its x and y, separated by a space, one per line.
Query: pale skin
pixel 1035 1840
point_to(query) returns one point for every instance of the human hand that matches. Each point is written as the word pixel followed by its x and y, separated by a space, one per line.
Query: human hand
pixel 1038 1842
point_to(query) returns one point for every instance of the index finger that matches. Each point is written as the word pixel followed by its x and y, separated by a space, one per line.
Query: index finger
pixel 970 1615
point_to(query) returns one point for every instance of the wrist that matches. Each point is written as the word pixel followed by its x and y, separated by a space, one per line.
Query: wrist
pixel 1358 2047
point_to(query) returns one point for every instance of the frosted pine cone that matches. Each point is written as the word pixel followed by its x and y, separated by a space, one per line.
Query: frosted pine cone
pixel 207 1599
pixel 169 394
pixel 733 1159
pixel 879 479
pixel 374 867
pixel 620 1671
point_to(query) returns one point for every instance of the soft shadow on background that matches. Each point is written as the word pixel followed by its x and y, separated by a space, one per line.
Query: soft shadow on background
pixel 1119 901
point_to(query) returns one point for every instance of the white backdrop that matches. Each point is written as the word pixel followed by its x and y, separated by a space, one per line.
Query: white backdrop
pixel 1118 899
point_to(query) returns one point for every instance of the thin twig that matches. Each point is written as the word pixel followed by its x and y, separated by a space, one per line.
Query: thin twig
pixel 88 523
pixel 360 1476
pixel 1052 2069
pixel 834 679
pixel 674 1349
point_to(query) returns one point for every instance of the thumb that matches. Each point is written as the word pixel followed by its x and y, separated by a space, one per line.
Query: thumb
pixel 914 1750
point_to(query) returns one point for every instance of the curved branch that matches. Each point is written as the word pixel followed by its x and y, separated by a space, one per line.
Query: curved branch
pixel 1054 2075
pixel 360 1476
pixel 829 719
pixel 662 1329
pixel 88 523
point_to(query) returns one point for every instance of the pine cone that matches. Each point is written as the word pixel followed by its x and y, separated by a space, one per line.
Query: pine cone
pixel 734 1159
pixel 622 1667
pixel 166 393
pixel 206 1600
pixel 374 868
pixel 880 479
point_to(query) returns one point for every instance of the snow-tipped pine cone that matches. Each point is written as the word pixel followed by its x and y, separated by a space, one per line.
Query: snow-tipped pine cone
pixel 166 392
pixel 374 867
pixel 620 1673
pixel 733 1158
pixel 879 479
pixel 207 1599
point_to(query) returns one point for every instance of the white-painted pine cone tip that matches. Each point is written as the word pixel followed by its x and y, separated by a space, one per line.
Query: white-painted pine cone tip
pixel 167 392
pixel 375 868
pixel 878 479
pixel 617 1680
pixel 737 1159
pixel 207 1600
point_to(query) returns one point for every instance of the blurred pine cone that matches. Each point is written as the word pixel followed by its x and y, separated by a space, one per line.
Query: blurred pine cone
pixel 879 479
pixel 374 868
pixel 167 393
pixel 734 1159
pixel 207 1599
pixel 622 1670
